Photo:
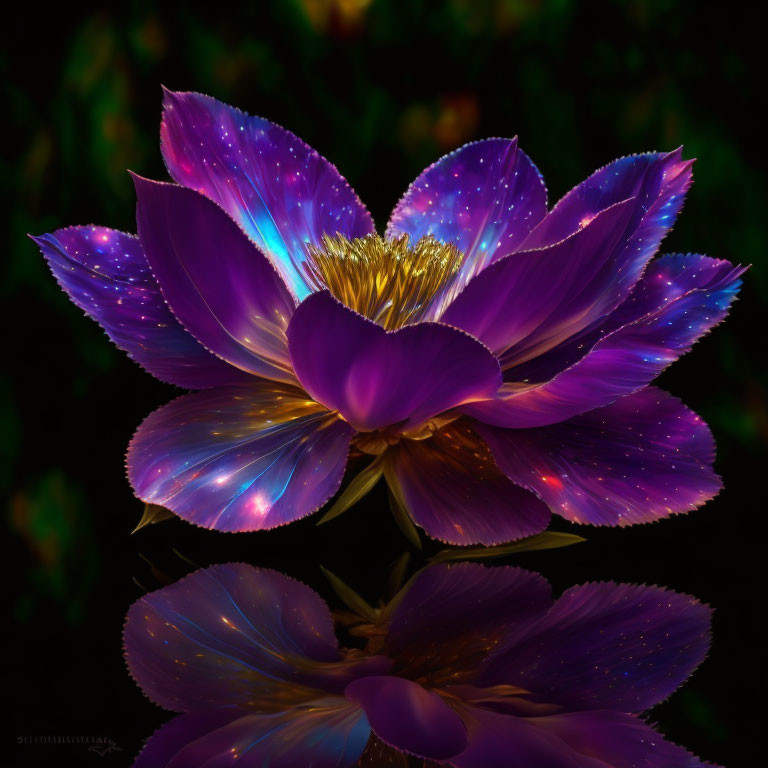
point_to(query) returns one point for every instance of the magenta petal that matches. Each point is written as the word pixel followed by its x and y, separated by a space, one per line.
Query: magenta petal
pixel 239 458
pixel 105 273
pixel 408 717
pixel 618 740
pixel 484 198
pixel 659 180
pixel 605 646
pixel 423 633
pixel 452 487
pixel 329 734
pixel 678 300
pixel 376 378
pixel 279 190
pixel 526 303
pixel 642 458
pixel 219 285
pixel 236 636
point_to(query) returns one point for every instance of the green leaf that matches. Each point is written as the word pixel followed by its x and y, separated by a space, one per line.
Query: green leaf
pixel 397 574
pixel 403 519
pixel 184 558
pixel 546 540
pixel 153 513
pixel 360 486
pixel 350 598
pixel 386 612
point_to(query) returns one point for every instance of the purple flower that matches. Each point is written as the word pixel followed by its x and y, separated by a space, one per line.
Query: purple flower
pixel 467 666
pixel 493 356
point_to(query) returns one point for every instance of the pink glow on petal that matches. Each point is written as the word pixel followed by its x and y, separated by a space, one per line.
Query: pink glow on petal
pixel 552 480
pixel 260 505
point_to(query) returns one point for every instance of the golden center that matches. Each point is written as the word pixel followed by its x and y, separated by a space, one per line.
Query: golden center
pixel 390 282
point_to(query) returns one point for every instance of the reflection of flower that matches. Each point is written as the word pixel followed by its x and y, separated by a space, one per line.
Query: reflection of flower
pixel 492 355
pixel 471 666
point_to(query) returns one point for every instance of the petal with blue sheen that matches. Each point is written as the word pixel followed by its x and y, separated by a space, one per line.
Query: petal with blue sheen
pixel 678 300
pixel 659 180
pixel 423 634
pixel 376 378
pixel 409 717
pixel 642 458
pixel 240 458
pixel 526 303
pixel 235 636
pixel 674 276
pixel 106 274
pixel 219 285
pixel 667 280
pixel 279 190
pixel 484 197
pixel 605 646
pixel 452 488
pixel 328 733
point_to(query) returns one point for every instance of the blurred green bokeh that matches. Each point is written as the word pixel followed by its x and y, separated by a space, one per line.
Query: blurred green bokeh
pixel 382 89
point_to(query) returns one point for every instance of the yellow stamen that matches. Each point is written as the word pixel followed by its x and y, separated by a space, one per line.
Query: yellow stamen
pixel 388 281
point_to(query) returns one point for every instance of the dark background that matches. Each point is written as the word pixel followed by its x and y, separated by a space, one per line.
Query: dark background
pixel 382 89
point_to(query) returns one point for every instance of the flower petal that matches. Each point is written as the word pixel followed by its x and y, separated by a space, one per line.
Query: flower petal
pixel 597 277
pixel 605 646
pixel 423 634
pixel 675 276
pixel 240 458
pixel 235 636
pixel 526 303
pixel 376 378
pixel 219 285
pixel 503 741
pixel 678 300
pixel 105 273
pixel 579 740
pixel 408 717
pixel 667 280
pixel 452 487
pixel 642 458
pixel 484 197
pixel 279 190
pixel 329 734
pixel 169 739
pixel 659 180
pixel 618 740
